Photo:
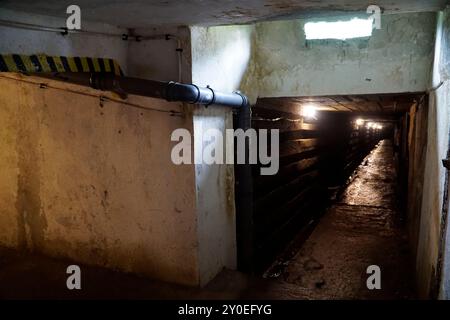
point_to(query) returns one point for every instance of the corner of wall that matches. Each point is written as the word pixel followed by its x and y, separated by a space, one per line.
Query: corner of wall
pixel 431 229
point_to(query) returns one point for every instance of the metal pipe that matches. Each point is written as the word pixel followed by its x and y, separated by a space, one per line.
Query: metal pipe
pixel 64 30
pixel 190 93
pixel 244 199
pixel 170 91
pixel 61 30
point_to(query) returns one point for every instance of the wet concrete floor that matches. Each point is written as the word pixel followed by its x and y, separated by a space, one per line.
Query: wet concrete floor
pixel 33 276
pixel 359 230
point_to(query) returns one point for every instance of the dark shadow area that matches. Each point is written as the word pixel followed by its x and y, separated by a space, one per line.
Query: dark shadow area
pixel 334 167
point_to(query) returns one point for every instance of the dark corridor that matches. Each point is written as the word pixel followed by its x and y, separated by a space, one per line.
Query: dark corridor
pixel 361 229
pixel 337 203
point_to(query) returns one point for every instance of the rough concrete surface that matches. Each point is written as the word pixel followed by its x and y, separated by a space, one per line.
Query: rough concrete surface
pixel 28 42
pixel 360 230
pixel 91 180
pixel 430 236
pixel 396 58
pixel 274 59
pixel 138 13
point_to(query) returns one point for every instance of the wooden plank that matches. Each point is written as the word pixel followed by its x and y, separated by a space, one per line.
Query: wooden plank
pixel 296 146
pixel 282 194
pixel 282 125
pixel 298 134
pixel 283 105
pixel 262 112
pixel 270 220
pixel 264 184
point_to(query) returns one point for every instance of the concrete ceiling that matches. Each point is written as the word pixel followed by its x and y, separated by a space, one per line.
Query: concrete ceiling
pixel 381 104
pixel 150 13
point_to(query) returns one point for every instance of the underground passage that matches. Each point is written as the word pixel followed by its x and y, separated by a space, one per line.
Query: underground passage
pixel 244 150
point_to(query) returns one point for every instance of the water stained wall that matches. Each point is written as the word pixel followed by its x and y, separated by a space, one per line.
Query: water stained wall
pixel 28 42
pixel 91 180
pixel 396 58
pixel 432 248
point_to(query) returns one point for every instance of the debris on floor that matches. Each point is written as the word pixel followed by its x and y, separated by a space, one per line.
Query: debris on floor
pixel 360 230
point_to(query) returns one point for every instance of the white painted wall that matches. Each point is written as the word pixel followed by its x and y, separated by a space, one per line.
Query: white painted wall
pixel 396 58
pixel 437 148
pixel 149 59
pixel 215 199
pixel 158 59
pixel 445 101
pixel 21 41
pixel 273 59
pixel 220 58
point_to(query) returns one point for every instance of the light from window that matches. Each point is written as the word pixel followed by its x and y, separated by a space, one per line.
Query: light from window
pixel 342 30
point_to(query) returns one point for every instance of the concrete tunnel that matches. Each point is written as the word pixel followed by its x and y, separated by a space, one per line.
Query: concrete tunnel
pixel 90 119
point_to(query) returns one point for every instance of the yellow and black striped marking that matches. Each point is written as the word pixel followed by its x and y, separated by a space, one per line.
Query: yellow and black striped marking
pixel 43 63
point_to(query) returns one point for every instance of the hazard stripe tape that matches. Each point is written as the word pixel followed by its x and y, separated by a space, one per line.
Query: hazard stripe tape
pixel 10 64
pixel 3 66
pixel 37 64
pixel 43 63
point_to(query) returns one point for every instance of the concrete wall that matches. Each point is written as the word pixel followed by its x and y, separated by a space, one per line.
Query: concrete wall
pixel 427 229
pixel 149 59
pixel 95 183
pixel 215 199
pixel 208 241
pixel 396 58
pixel 220 57
pixel 23 41
pixel 417 153
pixel 432 228
pixel 444 100
pixel 158 59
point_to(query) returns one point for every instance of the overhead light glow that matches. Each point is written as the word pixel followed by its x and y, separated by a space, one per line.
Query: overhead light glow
pixel 309 111
pixel 374 125
pixel 359 122
pixel 342 30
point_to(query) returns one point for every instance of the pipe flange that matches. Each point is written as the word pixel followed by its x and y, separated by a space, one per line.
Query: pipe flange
pixel 213 100
pixel 245 101
pixel 198 94
pixel 65 31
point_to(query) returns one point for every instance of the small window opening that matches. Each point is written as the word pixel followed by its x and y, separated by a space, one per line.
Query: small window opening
pixel 342 30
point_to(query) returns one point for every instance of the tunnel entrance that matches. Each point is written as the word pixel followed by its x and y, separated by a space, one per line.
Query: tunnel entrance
pixel 321 155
